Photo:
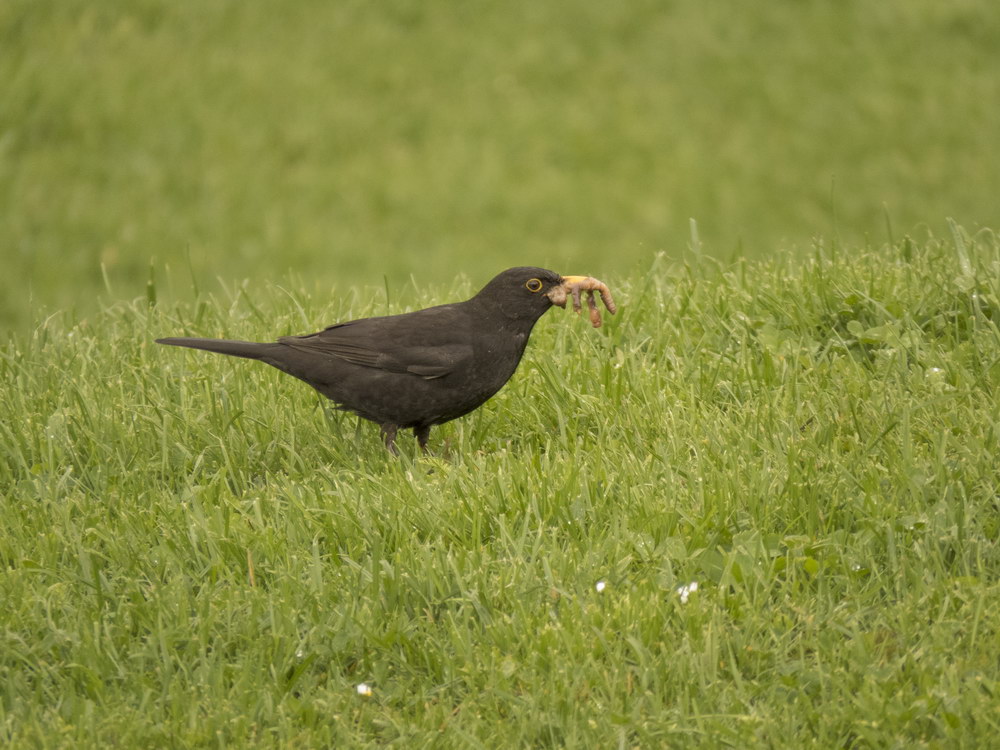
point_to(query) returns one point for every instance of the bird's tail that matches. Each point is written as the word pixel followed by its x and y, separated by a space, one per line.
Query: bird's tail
pixel 246 349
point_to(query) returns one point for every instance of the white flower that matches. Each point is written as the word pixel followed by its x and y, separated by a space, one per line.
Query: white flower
pixel 364 689
pixel 685 591
pixel 600 586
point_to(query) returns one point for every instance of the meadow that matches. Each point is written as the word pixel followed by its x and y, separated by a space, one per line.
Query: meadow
pixel 350 142
pixel 760 507
pixel 197 553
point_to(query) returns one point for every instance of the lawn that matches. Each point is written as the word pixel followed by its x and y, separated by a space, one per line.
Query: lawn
pixel 796 408
pixel 351 141
pixel 195 553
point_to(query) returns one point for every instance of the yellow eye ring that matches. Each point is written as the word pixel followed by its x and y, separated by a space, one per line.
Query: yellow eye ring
pixel 533 285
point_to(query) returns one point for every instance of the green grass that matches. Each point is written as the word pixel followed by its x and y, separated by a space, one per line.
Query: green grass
pixel 193 554
pixel 352 140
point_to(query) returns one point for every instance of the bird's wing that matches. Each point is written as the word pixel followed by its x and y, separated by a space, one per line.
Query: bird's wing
pixel 428 345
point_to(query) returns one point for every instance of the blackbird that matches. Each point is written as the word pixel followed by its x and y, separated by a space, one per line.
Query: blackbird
pixel 426 367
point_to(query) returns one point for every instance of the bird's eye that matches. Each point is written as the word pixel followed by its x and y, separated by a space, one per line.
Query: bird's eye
pixel 533 285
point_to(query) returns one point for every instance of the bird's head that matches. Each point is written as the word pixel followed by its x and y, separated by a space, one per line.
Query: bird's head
pixel 522 293
pixel 526 292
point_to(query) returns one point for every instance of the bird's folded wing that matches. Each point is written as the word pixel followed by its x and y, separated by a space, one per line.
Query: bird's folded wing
pixel 352 343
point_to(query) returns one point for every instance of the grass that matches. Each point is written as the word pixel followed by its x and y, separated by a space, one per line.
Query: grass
pixel 194 554
pixel 353 140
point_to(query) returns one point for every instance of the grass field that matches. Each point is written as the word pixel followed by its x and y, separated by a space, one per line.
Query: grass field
pixel 194 554
pixel 796 409
pixel 350 140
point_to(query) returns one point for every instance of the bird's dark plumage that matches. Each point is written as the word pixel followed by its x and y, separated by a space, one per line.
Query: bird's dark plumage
pixel 417 369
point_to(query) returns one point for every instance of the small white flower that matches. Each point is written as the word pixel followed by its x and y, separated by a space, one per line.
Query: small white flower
pixel 934 371
pixel 600 586
pixel 364 689
pixel 685 591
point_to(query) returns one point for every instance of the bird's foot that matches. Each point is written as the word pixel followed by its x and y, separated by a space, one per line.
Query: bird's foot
pixel 389 435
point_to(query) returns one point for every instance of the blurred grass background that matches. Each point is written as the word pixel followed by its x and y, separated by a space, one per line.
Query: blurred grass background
pixel 353 140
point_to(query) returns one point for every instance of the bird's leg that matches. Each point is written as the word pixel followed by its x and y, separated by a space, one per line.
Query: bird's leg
pixel 423 435
pixel 389 435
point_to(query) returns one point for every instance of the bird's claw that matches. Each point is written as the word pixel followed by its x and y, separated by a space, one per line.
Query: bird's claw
pixel 573 286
